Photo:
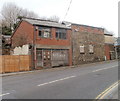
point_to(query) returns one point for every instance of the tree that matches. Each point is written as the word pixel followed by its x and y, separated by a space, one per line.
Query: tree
pixel 10 13
pixel 6 30
pixel 43 18
pixel 27 13
pixel 51 18
pixel 54 18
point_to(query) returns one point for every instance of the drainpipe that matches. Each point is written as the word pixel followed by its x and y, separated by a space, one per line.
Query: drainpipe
pixel 34 47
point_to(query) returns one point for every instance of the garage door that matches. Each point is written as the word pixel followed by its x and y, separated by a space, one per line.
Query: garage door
pixel 59 57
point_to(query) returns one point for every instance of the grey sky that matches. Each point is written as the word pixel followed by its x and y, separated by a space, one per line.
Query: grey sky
pixel 100 13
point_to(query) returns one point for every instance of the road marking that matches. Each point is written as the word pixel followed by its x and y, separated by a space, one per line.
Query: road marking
pixel 71 77
pixel 105 92
pixel 104 68
pixel 4 94
pixel 109 90
pixel 56 80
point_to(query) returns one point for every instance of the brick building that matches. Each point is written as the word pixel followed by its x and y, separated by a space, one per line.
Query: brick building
pixel 109 46
pixel 87 43
pixel 49 42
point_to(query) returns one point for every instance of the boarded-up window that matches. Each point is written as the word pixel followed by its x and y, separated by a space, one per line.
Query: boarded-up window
pixel 91 50
pixel 82 50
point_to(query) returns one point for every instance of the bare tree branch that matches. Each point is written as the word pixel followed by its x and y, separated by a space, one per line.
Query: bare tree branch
pixel 10 12
pixel 54 18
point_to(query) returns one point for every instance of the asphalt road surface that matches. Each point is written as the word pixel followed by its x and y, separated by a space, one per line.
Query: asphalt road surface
pixel 85 82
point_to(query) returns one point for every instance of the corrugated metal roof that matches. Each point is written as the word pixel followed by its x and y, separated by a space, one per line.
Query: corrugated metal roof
pixel 46 23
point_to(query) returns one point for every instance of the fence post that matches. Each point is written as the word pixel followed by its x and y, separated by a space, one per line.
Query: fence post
pixel 29 62
pixel 3 60
pixel 3 64
pixel 19 63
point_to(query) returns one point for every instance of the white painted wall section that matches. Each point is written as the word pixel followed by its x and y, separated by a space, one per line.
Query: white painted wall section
pixel 24 50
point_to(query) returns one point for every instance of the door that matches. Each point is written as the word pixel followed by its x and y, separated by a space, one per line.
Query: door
pixel 60 57
pixel 39 57
pixel 46 58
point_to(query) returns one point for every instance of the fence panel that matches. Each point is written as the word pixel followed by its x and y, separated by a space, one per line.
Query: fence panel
pixel 14 63
pixel 11 63
pixel 24 63
pixel 1 64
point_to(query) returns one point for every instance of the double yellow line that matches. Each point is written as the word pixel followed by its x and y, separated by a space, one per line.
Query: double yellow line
pixel 105 92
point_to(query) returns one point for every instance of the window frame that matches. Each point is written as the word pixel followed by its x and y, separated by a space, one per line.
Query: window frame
pixel 61 34
pixel 45 31
pixel 91 46
pixel 82 47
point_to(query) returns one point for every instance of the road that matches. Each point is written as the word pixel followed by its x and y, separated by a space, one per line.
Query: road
pixel 84 82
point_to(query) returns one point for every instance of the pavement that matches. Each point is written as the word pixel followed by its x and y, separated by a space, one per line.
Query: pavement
pixel 84 82
pixel 57 68
pixel 115 96
pixel 110 93
pixel 115 92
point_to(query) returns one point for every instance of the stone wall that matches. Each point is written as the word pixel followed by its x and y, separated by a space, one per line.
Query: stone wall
pixel 87 38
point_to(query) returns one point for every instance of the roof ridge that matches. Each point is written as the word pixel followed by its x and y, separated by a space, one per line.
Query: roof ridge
pixel 38 19
pixel 82 25
pixel 34 21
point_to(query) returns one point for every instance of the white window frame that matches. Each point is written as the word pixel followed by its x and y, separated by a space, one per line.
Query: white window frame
pixel 82 49
pixel 91 49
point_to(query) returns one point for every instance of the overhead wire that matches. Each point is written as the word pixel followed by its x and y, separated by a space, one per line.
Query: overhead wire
pixel 68 9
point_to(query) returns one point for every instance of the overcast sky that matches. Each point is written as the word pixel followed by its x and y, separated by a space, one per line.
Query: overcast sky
pixel 99 13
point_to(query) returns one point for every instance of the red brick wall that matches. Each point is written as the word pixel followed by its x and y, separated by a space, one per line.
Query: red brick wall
pixel 108 49
pixel 107 52
pixel 24 29
pixel 57 42
pixel 53 40
pixel 88 29
pixel 27 29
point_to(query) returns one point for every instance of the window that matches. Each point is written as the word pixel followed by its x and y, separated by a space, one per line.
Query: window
pixel 44 32
pixel 91 49
pixel 61 34
pixel 82 50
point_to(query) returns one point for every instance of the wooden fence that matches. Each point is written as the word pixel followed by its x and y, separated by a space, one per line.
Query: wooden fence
pixel 14 63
